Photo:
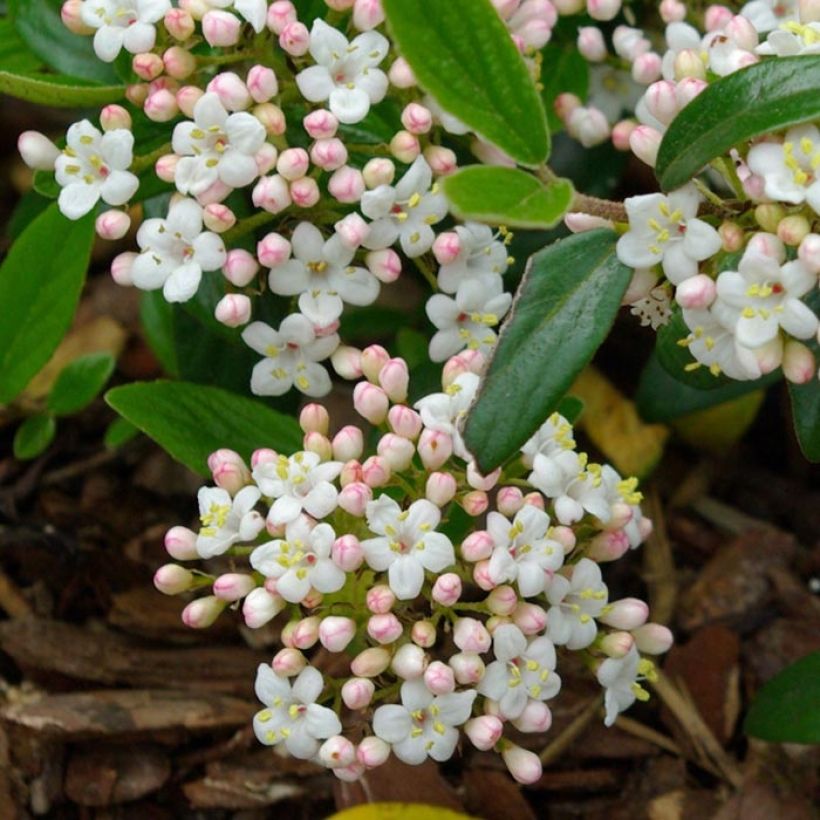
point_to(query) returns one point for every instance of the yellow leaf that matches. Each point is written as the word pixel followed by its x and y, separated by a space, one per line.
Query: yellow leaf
pixel 717 428
pixel 612 423
pixel 398 811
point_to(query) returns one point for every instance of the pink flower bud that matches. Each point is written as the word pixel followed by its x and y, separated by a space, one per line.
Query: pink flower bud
pixel 689 63
pixel 423 634
pixel 378 171
pixel 616 644
pixel 180 543
pixel 272 118
pixel 397 451
pixel 165 167
pixel 608 546
pixel 305 633
pixel 113 117
pixel 385 265
pixel 626 613
pixel 337 751
pixel 376 471
pixel 112 225
pixel 400 74
pixel 272 194
pixel 434 448
pixel 355 497
pixel 240 267
pixel 502 600
pixel 384 628
pixel 314 418
pixel 409 662
pixel 273 250
pixel 178 63
pixel 468 361
pixel 380 599
pixel 329 154
pixel 653 639
pixel 621 132
pixel 644 142
pixel 475 503
pixel 215 193
pixel 288 662
pixel 233 310
pixel 439 678
pixel 733 236
pixel 230 89
pixel 319 444
pixel 477 546
pixel 71 13
pixel 672 11
pixel 524 766
pixel 295 39
pixel 372 752
pixel 588 125
pixel 484 731
pixel 470 635
pixel 367 14
pixel 260 606
pixel 293 163
pixel 312 599
pixel 529 618
pixel 467 667
pixel 440 488
pixel 179 24
pixel 696 292
pixel 136 94
pixel 218 218
pixel 661 101
pixel 394 377
pixel 305 192
pixel 509 500
pixel 373 359
pixel 261 83
pixel 603 9
pixel 536 717
pixel 171 579
pixel 768 245
pixel 564 105
pixel 370 402
pixel 357 693
pixel 646 68
pixel 809 252
pixel 280 14
pixel 233 585
pixel 221 28
pixel 346 362
pixel 228 470
pixel 161 106
pixel 405 147
pixel 322 125
pixel 591 44
pixel 351 472
pixel 346 184
pixel 347 553
pixel 629 43
pixel 348 443
pixel 481 576
pixel 442 161
pixel 447 589
pixel 799 365
pixel 792 230
pixel 370 663
pixel 202 612
pixel 352 230
pixel 416 118
pixel 481 482
pixel 335 632
pixel 447 247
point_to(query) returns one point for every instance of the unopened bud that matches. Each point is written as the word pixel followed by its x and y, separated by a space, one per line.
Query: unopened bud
pixel 370 402
pixel 180 543
pixel 409 662
pixel 616 644
pixel 442 160
pixel 608 546
pixel 384 628
pixel 467 667
pixel 288 662
pixel 524 766
pixel 792 230
pixel 305 632
pixel 502 600
pixel 113 117
pixel 644 142
pixel 447 589
pixel 179 24
pixel 233 585
pixel 603 9
pixel 809 252
pixel 71 13
pixel 536 717
pixel 355 497
pixel 394 378
pixel 112 224
pixel 484 731
pixel 367 14
pixel 529 618
pixel 271 194
pixel 405 146
pixel 400 74
pixel 434 448
pixel 470 635
pixel 439 678
pixel 440 488
pixel 202 612
pixel 380 599
pixel 653 639
pixel 161 106
pixel 416 118
pixel 423 634
pixel 477 546
pixel 376 471
pixel 799 365
pixel 293 163
pixel 357 693
pixel 732 235
pixel 221 29
pixel 280 14
pixel 385 265
pixel 171 579
pixel 347 553
pixel 337 751
pixel 697 292
pixel 591 44
pixel 336 632
pixel 346 184
pixel 475 503
pixel 769 216
pixel 627 613
pixel 260 606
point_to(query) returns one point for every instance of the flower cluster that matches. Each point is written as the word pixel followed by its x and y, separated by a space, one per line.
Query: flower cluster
pixel 452 593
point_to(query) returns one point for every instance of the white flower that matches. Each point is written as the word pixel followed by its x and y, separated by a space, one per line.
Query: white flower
pixel 226 521
pixel 762 297
pixel 299 482
pixel 521 671
pixel 175 252
pixel 322 275
pixel 444 412
pixel 766 15
pixel 216 146
pixel 666 229
pixel 405 212
pixel 93 166
pixel 612 91
pixel 254 11
pixel 572 484
pixel 791 39
pixel 715 346
pixel 468 319
pixel 523 552
pixel 655 309
pixel 575 603
pixel 407 544
pixel 481 252
pixel 789 169
pixel 423 725
pixel 346 74
pixel 292 715
pixel 552 437
pixel 625 490
pixel 300 561
pixel 619 677
pixel 291 356
pixel 123 23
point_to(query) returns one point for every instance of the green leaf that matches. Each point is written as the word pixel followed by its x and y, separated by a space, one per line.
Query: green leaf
pixel 662 397
pixel 40 279
pixel 463 56
pixel 507 196
pixel 762 98
pixel 787 708
pixel 805 399
pixel 58 91
pixel 33 436
pixel 14 53
pixel 190 421
pixel 79 382
pixel 563 70
pixel 563 311
pixel 119 432
pixel 38 23
pixel 571 408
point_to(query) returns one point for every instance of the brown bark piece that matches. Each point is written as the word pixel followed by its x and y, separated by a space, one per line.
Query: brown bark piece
pixel 779 644
pixel 493 795
pixel 100 775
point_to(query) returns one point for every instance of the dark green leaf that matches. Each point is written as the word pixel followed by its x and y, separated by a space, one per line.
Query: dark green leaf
pixel 787 708
pixel 14 53
pixel 79 382
pixel 190 421
pixel 662 397
pixel 571 408
pixel 462 54
pixel 33 436
pixel 563 70
pixel 507 196
pixel 562 313
pixel 40 279
pixel 805 400
pixel 57 91
pixel 38 23
pixel 119 432
pixel 28 207
pixel 762 98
